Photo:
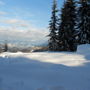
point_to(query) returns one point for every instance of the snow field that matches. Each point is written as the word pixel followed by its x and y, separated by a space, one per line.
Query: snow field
pixel 46 70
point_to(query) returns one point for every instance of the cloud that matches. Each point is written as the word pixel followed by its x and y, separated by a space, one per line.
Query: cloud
pixel 16 22
pixel 31 36
pixel 13 21
pixel 2 13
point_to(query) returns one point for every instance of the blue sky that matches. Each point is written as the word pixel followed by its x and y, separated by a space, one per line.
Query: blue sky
pixel 25 15
pixel 36 11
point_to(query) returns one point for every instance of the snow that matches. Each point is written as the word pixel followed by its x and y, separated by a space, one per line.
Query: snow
pixel 46 70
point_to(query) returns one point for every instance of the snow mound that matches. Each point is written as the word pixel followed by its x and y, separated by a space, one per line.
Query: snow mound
pixel 9 54
pixel 85 48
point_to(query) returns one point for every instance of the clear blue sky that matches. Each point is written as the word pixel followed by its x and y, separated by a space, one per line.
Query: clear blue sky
pixel 36 11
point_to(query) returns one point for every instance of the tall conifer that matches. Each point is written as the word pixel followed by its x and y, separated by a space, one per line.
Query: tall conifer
pixel 84 22
pixel 67 27
pixel 53 28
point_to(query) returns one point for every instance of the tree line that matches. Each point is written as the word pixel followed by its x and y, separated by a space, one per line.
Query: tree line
pixel 70 26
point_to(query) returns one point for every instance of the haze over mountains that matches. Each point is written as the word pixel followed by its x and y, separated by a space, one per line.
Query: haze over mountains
pixel 24 37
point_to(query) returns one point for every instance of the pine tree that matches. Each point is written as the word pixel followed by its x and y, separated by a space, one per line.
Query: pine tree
pixel 84 22
pixel 67 27
pixel 88 23
pixel 5 47
pixel 53 28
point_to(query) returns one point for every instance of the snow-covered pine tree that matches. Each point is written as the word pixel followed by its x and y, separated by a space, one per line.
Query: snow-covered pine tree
pixel 53 28
pixel 67 27
pixel 84 22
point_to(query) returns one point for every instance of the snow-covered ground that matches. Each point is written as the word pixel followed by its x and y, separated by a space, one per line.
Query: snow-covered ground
pixel 46 70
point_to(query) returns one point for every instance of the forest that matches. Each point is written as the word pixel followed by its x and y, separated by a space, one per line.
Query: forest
pixel 69 26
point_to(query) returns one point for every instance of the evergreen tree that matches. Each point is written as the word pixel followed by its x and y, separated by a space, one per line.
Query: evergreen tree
pixel 88 23
pixel 5 47
pixel 66 34
pixel 84 22
pixel 53 28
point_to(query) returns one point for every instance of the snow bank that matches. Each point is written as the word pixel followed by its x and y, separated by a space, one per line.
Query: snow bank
pixel 46 70
pixel 85 48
